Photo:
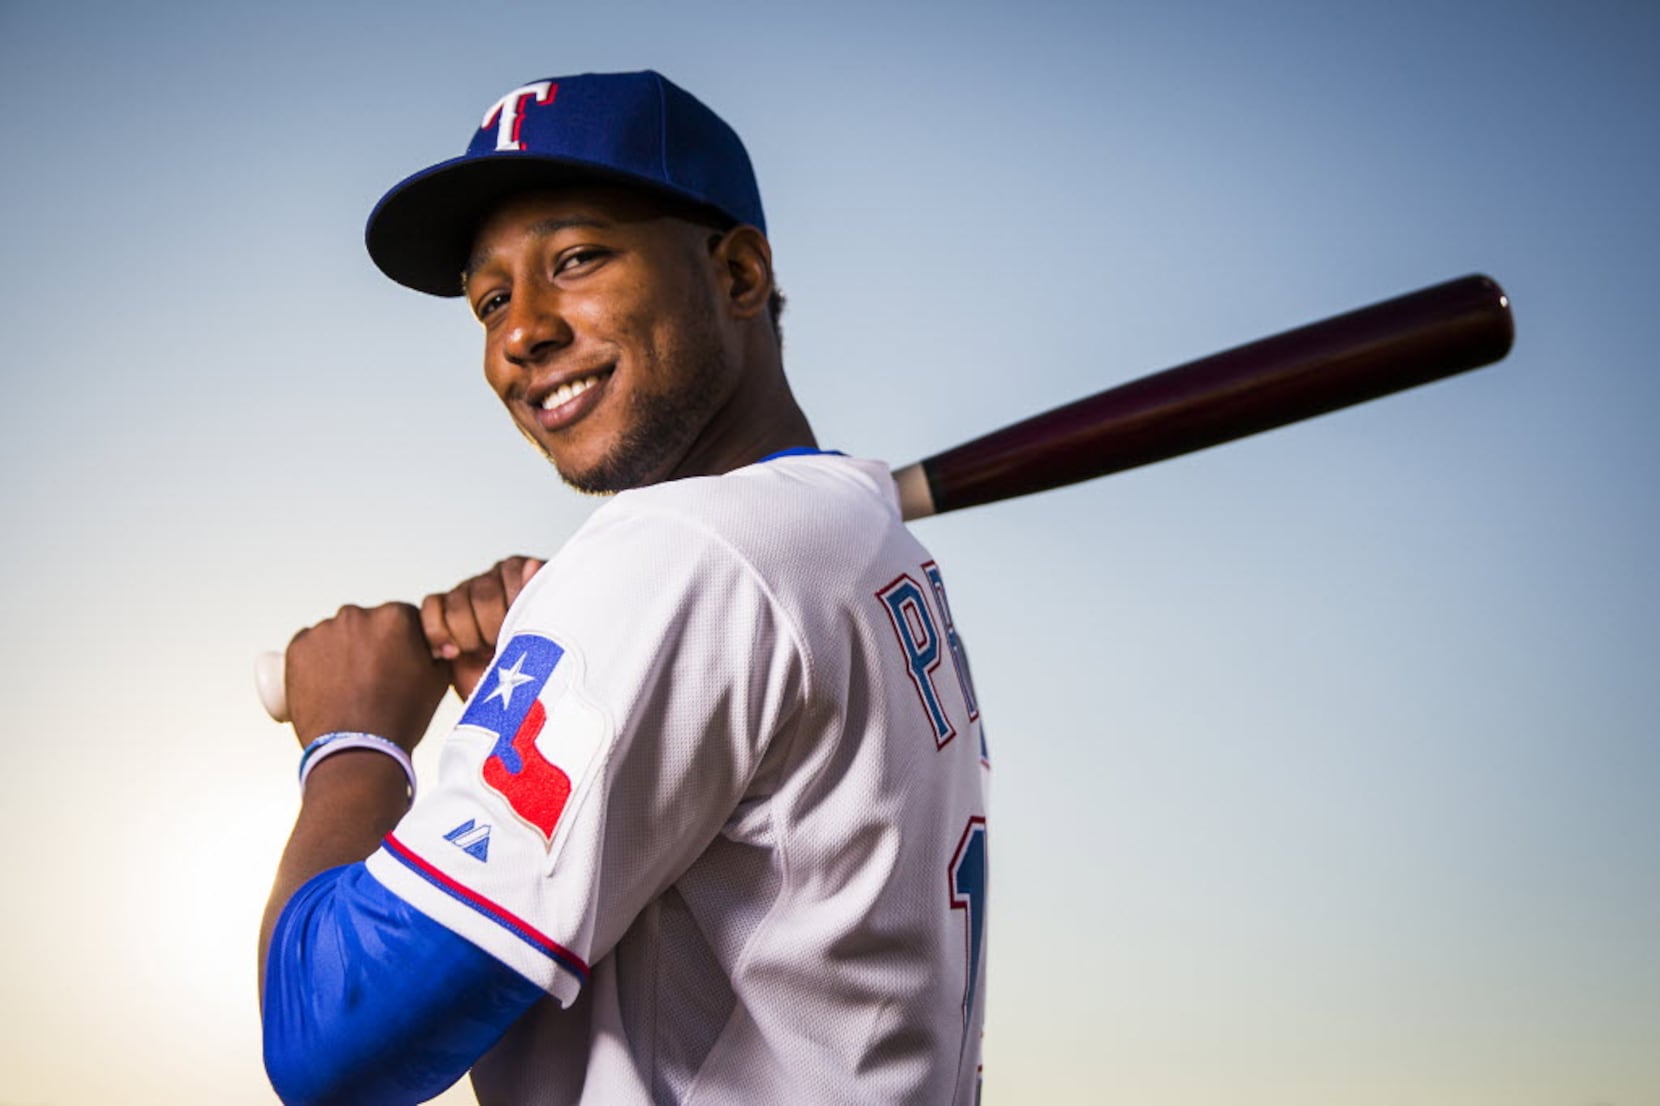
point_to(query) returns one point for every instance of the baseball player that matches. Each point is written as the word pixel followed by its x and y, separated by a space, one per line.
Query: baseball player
pixel 712 825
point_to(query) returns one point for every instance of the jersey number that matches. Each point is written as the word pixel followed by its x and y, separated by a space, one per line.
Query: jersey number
pixel 966 879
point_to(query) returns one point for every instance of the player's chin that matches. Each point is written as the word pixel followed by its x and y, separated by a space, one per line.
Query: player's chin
pixel 582 464
pixel 592 479
pixel 606 476
pixel 626 463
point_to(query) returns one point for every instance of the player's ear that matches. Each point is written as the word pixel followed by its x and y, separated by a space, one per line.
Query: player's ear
pixel 743 260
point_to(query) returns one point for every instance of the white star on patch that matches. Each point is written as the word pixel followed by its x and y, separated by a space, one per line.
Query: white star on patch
pixel 507 679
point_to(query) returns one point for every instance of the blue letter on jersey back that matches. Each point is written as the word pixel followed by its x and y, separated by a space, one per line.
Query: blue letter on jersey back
pixel 913 622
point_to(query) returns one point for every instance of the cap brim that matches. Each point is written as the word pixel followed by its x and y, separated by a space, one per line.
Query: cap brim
pixel 421 233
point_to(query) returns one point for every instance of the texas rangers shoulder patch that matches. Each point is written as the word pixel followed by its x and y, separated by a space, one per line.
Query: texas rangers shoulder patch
pixel 545 735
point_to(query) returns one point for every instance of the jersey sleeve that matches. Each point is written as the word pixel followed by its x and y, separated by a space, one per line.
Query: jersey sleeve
pixel 368 1002
pixel 641 680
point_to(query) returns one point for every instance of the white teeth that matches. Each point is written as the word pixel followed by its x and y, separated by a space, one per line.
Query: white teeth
pixel 568 391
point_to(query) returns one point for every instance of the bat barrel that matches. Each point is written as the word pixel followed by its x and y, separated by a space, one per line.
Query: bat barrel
pixel 1371 352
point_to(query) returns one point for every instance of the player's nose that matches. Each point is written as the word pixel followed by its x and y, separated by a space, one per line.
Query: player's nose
pixel 536 328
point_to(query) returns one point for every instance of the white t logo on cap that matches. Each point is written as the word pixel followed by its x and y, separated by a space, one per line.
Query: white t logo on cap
pixel 511 110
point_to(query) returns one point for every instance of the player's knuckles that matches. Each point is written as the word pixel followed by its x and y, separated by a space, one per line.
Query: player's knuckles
pixel 316 636
pixel 517 573
pixel 318 655
pixel 398 619
pixel 349 619
pixel 486 591
pixel 435 627
pixel 512 568
pixel 490 601
pixel 459 617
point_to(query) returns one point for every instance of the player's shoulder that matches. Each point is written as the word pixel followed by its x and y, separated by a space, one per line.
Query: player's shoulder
pixel 795 524
pixel 776 506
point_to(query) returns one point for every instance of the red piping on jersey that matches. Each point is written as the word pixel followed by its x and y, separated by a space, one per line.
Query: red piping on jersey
pixel 498 914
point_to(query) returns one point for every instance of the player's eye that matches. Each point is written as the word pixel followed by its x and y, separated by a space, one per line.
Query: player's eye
pixel 584 257
pixel 489 305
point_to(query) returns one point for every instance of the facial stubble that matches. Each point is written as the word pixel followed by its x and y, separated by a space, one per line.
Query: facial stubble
pixel 662 427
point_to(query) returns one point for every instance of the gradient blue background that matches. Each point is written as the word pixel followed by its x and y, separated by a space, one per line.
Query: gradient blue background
pixel 1324 762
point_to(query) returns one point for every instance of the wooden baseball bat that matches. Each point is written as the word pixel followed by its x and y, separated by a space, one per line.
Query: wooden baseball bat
pixel 1338 362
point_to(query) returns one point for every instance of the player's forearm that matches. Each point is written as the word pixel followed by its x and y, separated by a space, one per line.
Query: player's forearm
pixel 352 801
pixel 369 1002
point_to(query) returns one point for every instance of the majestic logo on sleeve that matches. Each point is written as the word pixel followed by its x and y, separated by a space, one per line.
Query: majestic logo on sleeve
pixel 546 737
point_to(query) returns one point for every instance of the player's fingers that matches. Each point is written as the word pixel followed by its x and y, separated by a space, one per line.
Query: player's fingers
pixel 487 597
pixel 461 617
pixel 468 618
pixel 437 629
pixel 516 573
pixel 491 595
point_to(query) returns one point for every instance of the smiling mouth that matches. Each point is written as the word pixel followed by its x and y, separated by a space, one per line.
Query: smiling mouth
pixel 569 391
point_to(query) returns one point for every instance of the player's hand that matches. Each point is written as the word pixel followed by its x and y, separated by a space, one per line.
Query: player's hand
pixel 461 624
pixel 364 669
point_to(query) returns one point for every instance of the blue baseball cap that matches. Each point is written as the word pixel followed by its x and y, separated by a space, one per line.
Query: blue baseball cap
pixel 636 129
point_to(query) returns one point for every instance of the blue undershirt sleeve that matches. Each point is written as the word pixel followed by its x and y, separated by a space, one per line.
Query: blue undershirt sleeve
pixel 370 1002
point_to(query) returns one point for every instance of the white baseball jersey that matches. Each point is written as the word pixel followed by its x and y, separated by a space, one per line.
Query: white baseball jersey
pixel 722 795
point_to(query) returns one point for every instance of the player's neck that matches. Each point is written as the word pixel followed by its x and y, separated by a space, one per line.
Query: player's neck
pixel 744 443
pixel 762 418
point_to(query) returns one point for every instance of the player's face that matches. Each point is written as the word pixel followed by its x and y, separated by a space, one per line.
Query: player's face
pixel 603 335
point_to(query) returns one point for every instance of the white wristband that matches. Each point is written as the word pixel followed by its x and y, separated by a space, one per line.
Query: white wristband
pixel 339 742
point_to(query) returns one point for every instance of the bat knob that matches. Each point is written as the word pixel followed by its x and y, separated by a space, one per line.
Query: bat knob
pixel 270 680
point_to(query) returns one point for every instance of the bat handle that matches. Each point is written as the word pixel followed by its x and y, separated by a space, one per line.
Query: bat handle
pixel 916 497
pixel 269 678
